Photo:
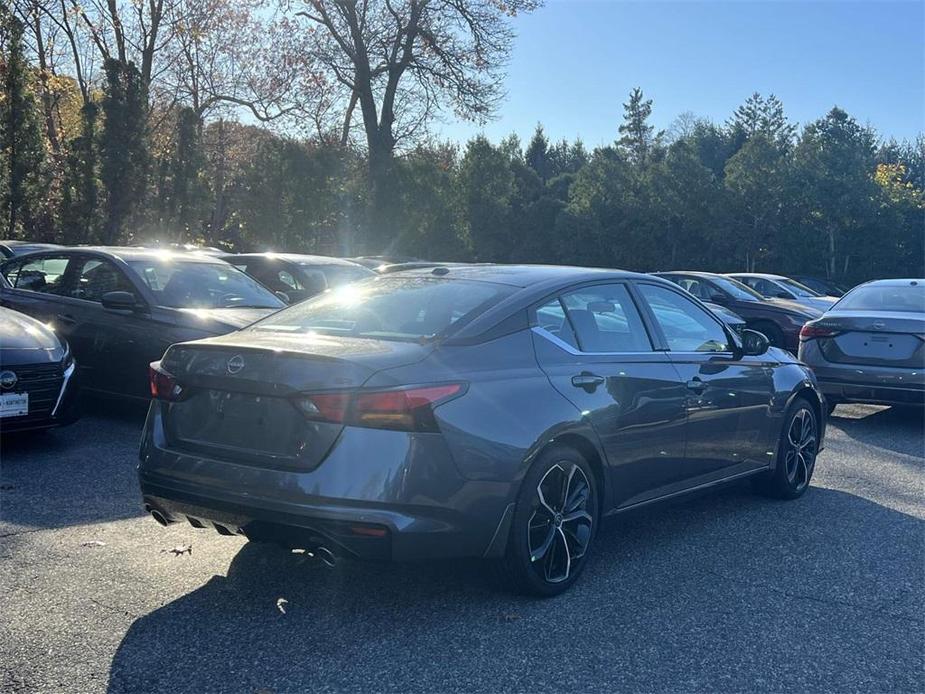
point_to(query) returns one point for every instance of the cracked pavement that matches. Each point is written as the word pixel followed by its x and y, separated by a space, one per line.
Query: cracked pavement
pixel 722 592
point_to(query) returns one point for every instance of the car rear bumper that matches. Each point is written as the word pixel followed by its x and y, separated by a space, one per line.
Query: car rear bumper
pixel 871 384
pixel 377 495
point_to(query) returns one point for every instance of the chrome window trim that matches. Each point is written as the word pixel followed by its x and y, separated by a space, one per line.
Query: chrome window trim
pixel 563 345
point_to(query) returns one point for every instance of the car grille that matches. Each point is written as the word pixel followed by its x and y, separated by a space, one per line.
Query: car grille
pixel 43 384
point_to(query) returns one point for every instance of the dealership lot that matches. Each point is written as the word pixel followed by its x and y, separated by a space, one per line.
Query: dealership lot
pixel 724 592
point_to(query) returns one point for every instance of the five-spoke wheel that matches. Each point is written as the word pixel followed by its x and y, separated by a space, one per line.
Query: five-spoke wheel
pixel 796 453
pixel 554 523
pixel 559 528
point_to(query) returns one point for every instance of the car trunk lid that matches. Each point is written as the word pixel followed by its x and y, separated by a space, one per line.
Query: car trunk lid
pixel 239 392
pixel 882 339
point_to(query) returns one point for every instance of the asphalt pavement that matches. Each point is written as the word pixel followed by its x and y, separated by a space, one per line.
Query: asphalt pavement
pixel 724 592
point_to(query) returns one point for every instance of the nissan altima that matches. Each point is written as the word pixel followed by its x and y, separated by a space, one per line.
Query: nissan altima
pixel 870 347
pixel 475 411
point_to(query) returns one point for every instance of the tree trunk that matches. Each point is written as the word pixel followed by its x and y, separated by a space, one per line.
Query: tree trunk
pixel 830 265
pixel 217 222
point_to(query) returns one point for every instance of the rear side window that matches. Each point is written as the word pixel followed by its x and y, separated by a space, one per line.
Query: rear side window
pixel 909 298
pixel 407 308
pixel 44 275
pixel 686 326
pixel 605 319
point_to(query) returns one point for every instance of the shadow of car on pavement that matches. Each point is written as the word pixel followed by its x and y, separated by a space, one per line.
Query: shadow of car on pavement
pixel 712 593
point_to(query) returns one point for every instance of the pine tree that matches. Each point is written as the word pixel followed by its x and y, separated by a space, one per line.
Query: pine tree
pixel 22 148
pixel 638 138
pixel 537 154
pixel 123 150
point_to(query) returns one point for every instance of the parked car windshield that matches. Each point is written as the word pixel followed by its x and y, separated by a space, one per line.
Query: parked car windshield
pixel 885 297
pixel 191 284
pixel 737 289
pixel 798 289
pixel 407 308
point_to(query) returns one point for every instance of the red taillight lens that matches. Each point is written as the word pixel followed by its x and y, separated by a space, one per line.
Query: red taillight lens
pixel 406 409
pixel 811 332
pixel 163 385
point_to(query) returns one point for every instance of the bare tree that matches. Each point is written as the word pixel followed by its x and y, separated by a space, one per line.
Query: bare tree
pixel 404 61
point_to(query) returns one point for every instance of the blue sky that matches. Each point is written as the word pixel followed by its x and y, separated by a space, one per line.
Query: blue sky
pixel 575 61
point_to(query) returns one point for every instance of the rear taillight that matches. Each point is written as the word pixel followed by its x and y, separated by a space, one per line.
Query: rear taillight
pixel 163 385
pixel 811 332
pixel 403 409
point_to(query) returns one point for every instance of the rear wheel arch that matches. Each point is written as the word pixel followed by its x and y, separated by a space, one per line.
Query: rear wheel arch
pixel 590 452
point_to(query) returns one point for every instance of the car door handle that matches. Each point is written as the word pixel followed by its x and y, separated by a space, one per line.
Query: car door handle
pixel 696 385
pixel 587 380
pixel 65 319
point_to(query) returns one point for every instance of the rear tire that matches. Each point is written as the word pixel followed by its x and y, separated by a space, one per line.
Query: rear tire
pixel 554 524
pixel 796 454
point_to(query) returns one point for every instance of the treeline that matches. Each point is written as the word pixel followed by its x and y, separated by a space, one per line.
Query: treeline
pixel 113 160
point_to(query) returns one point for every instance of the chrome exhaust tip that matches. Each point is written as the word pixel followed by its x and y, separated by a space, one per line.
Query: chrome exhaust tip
pixel 159 517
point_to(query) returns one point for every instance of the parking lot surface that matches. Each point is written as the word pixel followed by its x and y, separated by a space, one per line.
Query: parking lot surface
pixel 726 591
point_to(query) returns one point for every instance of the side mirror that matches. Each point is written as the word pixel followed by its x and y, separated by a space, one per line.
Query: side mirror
pixel 283 296
pixel 783 295
pixel 718 299
pixel 119 301
pixel 754 344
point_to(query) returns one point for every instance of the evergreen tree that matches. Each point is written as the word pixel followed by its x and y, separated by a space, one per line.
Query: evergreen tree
pixel 123 146
pixel 637 137
pixel 79 217
pixel 537 155
pixel 22 149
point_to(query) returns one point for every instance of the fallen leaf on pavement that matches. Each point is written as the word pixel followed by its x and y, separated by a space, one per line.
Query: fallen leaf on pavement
pixel 281 605
pixel 93 543
pixel 177 551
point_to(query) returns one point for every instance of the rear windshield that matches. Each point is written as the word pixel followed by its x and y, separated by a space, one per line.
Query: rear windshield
pixel 885 297
pixel 390 308
pixel 336 275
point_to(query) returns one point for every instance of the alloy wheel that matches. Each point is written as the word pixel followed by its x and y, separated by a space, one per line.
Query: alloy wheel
pixel 559 529
pixel 800 457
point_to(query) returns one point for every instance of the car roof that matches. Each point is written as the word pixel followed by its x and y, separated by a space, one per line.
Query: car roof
pixel 759 275
pixel 294 258
pixel 521 275
pixel 692 273
pixel 136 253
pixel 910 281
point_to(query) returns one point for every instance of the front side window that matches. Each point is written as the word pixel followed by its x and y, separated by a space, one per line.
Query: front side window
pixel 686 326
pixel 97 277
pixel 193 284
pixel 44 275
pixel 397 308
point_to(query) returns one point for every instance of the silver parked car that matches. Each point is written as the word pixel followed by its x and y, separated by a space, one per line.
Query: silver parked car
pixel 780 287
pixel 870 347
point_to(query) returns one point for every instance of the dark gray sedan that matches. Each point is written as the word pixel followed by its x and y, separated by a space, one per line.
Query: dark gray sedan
pixel 478 411
pixel 870 347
